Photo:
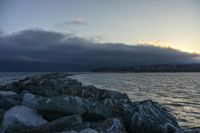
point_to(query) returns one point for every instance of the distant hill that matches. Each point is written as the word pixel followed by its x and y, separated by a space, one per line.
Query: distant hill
pixel 152 68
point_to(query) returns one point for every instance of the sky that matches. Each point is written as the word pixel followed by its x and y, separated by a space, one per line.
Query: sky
pixel 107 26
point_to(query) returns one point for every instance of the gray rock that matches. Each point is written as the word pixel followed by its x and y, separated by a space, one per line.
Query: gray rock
pixel 19 118
pixel 56 125
pixel 148 116
pixel 55 107
pixel 30 100
pixel 88 130
pixel 92 92
pixel 24 92
pixel 116 127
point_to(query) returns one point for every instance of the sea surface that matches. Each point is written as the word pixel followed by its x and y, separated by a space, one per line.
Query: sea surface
pixel 177 92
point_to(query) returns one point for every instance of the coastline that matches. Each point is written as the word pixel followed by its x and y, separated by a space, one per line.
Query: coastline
pixel 97 109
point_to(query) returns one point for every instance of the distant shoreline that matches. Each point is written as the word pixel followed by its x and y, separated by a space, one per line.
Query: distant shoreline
pixel 152 69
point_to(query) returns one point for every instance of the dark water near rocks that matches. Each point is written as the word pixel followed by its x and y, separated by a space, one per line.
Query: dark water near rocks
pixel 178 92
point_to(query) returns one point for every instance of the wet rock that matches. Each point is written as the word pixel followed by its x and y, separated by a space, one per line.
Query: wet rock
pixel 148 116
pixel 21 95
pixel 30 100
pixel 116 126
pixel 56 125
pixel 19 118
pixel 101 94
pixel 47 85
pixel 74 88
pixel 55 107
pixel 88 130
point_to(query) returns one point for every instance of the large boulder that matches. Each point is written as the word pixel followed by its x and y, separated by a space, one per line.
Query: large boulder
pixel 148 116
pixel 55 107
pixel 19 118
pixel 56 125
pixel 88 130
pixel 30 100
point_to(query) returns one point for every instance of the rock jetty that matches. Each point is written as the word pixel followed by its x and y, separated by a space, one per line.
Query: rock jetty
pixel 55 103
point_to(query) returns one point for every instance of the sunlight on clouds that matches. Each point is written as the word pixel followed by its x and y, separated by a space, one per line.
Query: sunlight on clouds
pixel 168 44
pixel 164 44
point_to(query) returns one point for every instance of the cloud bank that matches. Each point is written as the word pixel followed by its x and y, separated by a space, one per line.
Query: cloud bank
pixel 39 50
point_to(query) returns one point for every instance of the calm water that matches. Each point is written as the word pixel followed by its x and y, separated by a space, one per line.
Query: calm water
pixel 178 92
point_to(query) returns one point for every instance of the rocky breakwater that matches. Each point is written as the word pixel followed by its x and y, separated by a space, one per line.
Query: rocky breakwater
pixel 55 103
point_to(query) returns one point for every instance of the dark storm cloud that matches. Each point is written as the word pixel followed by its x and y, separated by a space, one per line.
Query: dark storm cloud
pixel 38 50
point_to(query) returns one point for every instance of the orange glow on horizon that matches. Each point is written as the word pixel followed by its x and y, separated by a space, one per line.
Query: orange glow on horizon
pixel 168 44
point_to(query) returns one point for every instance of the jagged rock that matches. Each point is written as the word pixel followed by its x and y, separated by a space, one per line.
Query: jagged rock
pixel 116 127
pixel 55 107
pixel 56 125
pixel 57 84
pixel 30 100
pixel 19 118
pixel 75 88
pixel 91 92
pixel 148 116
pixel 88 130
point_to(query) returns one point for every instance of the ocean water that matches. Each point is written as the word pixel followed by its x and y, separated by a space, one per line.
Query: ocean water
pixel 177 92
